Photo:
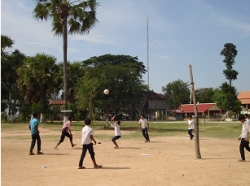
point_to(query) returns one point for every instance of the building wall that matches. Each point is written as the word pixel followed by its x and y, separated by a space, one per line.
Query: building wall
pixel 157 104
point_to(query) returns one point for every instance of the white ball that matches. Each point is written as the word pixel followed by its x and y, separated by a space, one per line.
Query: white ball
pixel 106 91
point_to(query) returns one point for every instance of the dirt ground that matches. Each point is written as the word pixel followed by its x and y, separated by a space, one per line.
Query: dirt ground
pixel 170 161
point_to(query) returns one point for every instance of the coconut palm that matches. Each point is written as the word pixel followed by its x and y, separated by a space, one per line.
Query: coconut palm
pixel 68 17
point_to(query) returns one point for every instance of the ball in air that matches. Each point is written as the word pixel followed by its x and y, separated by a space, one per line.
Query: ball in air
pixel 106 91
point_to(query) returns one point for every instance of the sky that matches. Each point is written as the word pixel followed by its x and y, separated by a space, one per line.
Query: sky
pixel 179 33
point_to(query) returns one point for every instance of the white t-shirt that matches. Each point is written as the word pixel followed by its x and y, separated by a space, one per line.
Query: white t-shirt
pixel 117 129
pixel 247 120
pixel 87 131
pixel 144 123
pixel 245 131
pixel 191 124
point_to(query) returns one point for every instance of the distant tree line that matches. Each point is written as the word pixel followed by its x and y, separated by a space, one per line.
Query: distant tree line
pixel 29 82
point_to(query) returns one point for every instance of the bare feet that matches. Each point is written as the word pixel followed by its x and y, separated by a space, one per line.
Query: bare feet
pixel 116 147
pixel 73 145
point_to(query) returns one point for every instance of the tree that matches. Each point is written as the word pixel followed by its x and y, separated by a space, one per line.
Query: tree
pixel 38 79
pixel 75 73
pixel 204 95
pixel 6 42
pixel 9 76
pixel 226 98
pixel 79 16
pixel 10 61
pixel 177 93
pixel 120 74
pixel 230 53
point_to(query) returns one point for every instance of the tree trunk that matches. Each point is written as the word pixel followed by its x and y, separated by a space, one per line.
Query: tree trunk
pixel 9 112
pixel 196 126
pixel 90 104
pixel 65 74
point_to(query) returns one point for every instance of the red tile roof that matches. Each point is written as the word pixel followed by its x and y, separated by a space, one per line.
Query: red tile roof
pixel 244 97
pixel 202 107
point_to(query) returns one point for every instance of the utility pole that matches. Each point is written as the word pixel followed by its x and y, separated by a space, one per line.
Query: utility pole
pixel 147 54
pixel 196 125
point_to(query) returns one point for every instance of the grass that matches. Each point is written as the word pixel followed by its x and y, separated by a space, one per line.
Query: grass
pixel 219 130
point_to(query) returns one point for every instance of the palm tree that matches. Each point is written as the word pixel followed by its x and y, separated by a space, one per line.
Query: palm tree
pixel 79 16
pixel 6 42
pixel 37 78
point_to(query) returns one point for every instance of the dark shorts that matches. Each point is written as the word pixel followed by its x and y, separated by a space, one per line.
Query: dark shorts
pixel 115 138
pixel 65 133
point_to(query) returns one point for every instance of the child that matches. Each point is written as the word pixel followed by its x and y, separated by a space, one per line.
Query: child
pixel 144 126
pixel 116 126
pixel 244 137
pixel 87 138
pixel 190 127
pixel 35 134
pixel 66 132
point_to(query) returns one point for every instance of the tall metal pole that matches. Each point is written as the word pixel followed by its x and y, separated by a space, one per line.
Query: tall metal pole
pixel 147 54
pixel 196 125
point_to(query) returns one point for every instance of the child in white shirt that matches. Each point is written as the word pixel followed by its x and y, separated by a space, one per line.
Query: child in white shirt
pixel 244 138
pixel 190 127
pixel 116 126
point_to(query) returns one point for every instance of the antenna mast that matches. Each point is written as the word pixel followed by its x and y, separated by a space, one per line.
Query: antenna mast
pixel 147 55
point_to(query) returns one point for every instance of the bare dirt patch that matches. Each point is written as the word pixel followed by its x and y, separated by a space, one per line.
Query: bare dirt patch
pixel 170 161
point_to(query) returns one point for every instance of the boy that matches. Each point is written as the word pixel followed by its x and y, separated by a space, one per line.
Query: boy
pixel 190 127
pixel 87 138
pixel 35 134
pixel 66 132
pixel 244 137
pixel 144 126
pixel 116 126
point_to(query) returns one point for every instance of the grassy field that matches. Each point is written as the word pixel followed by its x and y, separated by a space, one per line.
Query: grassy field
pixel 221 130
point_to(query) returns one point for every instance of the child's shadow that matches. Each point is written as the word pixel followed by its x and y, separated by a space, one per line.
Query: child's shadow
pixel 129 148
pixel 115 167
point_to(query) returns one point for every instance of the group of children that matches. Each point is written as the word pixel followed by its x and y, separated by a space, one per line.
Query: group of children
pixel 88 138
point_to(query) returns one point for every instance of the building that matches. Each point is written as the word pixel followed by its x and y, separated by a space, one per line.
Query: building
pixel 56 105
pixel 209 110
pixel 155 105
pixel 244 98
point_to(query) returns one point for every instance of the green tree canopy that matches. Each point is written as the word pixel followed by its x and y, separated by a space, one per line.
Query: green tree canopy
pixel 120 74
pixel 230 52
pixel 204 95
pixel 39 78
pixel 226 98
pixel 75 73
pixel 177 93
pixel 9 89
pixel 6 42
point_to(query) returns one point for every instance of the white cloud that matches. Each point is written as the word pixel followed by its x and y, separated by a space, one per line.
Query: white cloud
pixel 243 27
